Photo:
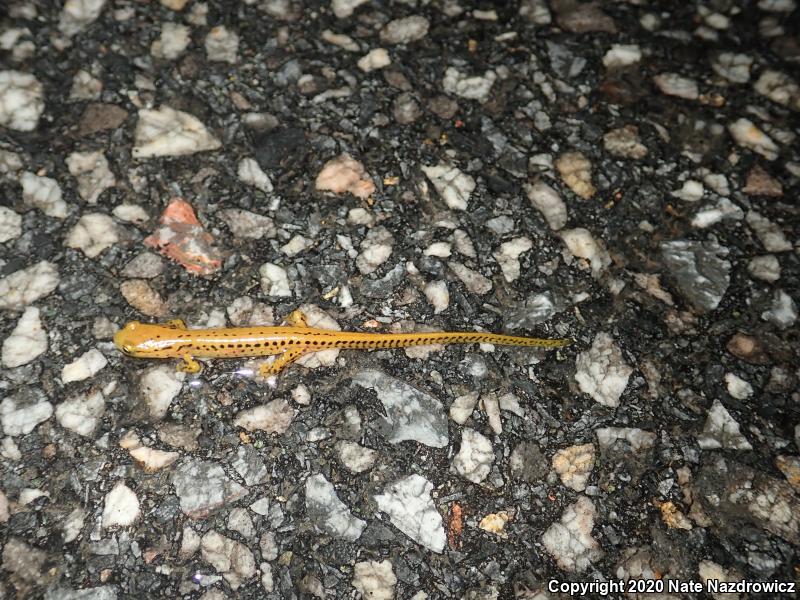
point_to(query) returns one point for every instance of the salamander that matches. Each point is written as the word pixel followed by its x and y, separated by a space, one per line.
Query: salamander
pixel 174 340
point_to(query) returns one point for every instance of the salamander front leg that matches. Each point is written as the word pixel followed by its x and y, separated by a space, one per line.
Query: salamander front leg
pixel 176 324
pixel 296 318
pixel 280 362
pixel 189 364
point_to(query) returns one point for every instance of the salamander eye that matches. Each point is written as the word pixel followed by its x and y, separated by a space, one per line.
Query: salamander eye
pixel 132 325
pixel 127 349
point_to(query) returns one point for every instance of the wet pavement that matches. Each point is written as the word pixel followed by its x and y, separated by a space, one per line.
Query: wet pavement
pixel 621 173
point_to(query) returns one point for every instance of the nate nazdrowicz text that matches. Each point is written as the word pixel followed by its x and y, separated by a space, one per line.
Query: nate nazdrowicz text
pixel 673 586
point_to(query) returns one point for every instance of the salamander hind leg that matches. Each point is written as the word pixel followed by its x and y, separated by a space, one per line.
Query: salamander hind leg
pixel 189 364
pixel 281 361
pixel 296 318
pixel 175 324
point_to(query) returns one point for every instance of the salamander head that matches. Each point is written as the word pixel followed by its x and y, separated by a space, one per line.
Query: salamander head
pixel 141 339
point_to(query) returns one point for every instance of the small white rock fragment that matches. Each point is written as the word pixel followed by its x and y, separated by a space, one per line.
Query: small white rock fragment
pixel 301 395
pixel 637 438
pixel 232 559
pixel 356 458
pixel 691 191
pixel 26 286
pixel 733 67
pixel 131 213
pixel 43 193
pixel 82 413
pixel 412 511
pixel 344 8
pixel 375 250
pixel 582 244
pixel 341 40
pixel 438 249
pixel 549 203
pixel 20 418
pixel 10 225
pixel 570 541
pixel 375 59
pixel 507 256
pixel 273 417
pixel 437 294
pixel 625 143
pixel 770 234
pixel 766 268
pixel 747 135
pixel 92 172
pixel 329 514
pixel 77 15
pixel 72 525
pixel 405 30
pixel 709 215
pixel 462 407
pixel 779 88
pixel 676 85
pixel 452 185
pixel 574 465
pixel 345 174
pixel 374 580
pixel 721 431
pixel 602 372
pixel 250 172
pixel 274 280
pixel 738 387
pixel 121 507
pixel 93 233
pixel 21 100
pixel 475 456
pixel 27 341
pixel 174 39
pixel 474 281
pixel 85 366
pixel 576 171
pixel 169 132
pixel 471 88
pixel 783 312
pixel 159 386
pixel 622 55
pixel 85 87
pixel 296 245
pixel 222 45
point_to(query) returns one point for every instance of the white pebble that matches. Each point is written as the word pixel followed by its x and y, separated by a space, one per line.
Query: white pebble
pixel 274 280
pixel 691 191
pixel 121 507
pixel 173 41
pixel 222 45
pixel 82 413
pixel 374 60
pixel 251 173
pixel 27 341
pixel 92 234
pixel 21 100
pixel 738 387
pixel 10 225
pixel 43 193
pixel 453 186
pixel 87 365
pixel 438 296
pixel 169 132
pixel 26 286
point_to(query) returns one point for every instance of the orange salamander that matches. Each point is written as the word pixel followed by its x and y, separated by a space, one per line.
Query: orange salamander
pixel 174 340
